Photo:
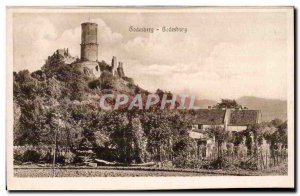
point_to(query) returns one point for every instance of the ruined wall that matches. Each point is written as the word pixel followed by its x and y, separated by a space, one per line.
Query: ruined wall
pixel 120 70
pixel 90 69
pixel 67 58
pixel 114 65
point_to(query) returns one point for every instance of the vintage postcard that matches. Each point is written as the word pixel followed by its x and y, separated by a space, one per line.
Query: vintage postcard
pixel 150 98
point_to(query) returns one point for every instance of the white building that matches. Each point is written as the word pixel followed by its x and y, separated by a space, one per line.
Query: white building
pixel 232 120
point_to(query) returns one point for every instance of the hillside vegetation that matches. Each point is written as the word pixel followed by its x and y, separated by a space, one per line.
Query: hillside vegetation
pixel 62 100
pixel 58 106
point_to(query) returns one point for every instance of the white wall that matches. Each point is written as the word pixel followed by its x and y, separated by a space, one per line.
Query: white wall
pixel 236 128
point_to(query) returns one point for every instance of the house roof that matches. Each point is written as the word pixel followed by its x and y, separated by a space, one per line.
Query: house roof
pixel 208 117
pixel 217 116
pixel 244 117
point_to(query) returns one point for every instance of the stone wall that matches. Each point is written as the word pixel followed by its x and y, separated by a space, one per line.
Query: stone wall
pixel 88 33
pixel 89 52
pixel 120 70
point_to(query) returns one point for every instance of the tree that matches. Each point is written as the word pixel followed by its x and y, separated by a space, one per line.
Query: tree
pixel 138 138
pixel 160 134
pixel 56 123
pixel 220 135
pixel 116 124
pixel 227 104
pixel 53 62
pixel 282 133
pixel 282 129
pixel 276 122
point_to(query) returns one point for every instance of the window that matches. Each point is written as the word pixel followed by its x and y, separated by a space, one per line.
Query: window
pixel 200 126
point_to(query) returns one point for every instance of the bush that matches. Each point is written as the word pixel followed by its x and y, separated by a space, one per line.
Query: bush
pixel 107 84
pixel 69 158
pixel 167 164
pixel 219 163
pixel 60 159
pixel 18 157
pixel 251 165
pixel 94 84
pixel 31 156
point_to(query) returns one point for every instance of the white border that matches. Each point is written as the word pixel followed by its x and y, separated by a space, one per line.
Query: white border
pixel 147 182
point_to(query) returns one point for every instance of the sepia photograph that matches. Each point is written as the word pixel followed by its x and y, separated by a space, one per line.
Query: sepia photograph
pixel 145 98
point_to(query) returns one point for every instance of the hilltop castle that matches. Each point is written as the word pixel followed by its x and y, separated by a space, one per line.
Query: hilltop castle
pixel 89 53
pixel 88 61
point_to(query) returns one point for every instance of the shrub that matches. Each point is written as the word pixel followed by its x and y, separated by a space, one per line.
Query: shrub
pixel 107 84
pixel 69 157
pixel 18 157
pixel 219 163
pixel 31 156
pixel 251 165
pixel 94 84
pixel 60 159
pixel 167 164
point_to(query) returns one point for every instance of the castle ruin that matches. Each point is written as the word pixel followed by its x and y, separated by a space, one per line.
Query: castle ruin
pixel 88 61
pixel 89 49
pixel 89 52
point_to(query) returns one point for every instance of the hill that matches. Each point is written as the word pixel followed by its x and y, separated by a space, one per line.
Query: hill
pixel 270 108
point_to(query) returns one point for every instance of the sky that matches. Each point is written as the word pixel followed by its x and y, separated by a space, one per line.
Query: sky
pixel 222 54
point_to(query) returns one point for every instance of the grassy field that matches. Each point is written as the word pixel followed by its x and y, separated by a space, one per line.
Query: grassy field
pixel 32 171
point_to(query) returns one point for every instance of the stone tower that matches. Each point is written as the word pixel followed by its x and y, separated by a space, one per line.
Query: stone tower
pixel 120 70
pixel 89 44
pixel 114 64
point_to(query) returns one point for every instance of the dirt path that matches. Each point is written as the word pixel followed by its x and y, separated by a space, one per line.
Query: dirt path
pixel 34 171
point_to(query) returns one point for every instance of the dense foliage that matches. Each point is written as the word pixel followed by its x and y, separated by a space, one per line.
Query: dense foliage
pixel 60 100
pixel 59 105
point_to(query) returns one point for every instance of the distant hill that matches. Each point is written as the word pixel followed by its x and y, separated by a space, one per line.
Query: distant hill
pixel 270 108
